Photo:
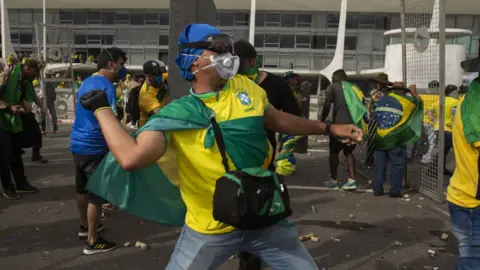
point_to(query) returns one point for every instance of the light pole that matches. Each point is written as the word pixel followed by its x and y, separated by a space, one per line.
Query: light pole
pixel 4 38
pixel 251 32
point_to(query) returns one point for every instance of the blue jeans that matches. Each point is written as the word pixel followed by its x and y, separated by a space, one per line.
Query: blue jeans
pixel 277 245
pixel 466 228
pixel 396 157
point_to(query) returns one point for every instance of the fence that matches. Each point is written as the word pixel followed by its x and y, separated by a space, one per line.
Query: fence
pixel 423 42
pixel 54 45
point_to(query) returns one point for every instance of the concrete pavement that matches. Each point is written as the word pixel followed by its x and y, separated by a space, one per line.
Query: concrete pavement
pixel 355 230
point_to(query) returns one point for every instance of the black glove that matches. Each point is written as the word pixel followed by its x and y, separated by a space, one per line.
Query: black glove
pixel 94 100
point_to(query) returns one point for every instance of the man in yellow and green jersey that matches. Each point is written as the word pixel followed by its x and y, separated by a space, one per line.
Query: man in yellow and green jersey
pixel 153 94
pixel 463 193
pixel 243 112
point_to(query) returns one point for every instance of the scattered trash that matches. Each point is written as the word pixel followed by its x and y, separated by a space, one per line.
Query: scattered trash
pixel 351 216
pixel 40 210
pixel 441 249
pixel 37 229
pixel 400 216
pixel 127 244
pixel 407 199
pixel 338 223
pixel 46 208
pixel 432 253
pixel 314 210
pixel 398 243
pixel 419 206
pixel 47 252
pixel 141 245
pixel 62 204
pixel 314 239
pixel 57 213
pixel 444 236
pixel 420 198
pixel 306 237
pixel 406 196
pixel 335 240
pixel 429 267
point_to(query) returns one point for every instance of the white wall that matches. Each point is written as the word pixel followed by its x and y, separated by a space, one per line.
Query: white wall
pixel 424 67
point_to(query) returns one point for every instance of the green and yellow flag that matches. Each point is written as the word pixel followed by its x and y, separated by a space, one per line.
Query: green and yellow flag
pixel 399 121
pixel 356 106
pixel 470 112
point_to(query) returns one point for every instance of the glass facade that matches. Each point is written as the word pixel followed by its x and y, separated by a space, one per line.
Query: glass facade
pixel 285 39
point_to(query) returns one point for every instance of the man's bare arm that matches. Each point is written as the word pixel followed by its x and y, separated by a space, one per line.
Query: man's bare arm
pixel 131 153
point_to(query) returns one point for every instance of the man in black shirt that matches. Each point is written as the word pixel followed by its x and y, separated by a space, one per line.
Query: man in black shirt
pixel 341 115
pixel 280 96
pixel 278 91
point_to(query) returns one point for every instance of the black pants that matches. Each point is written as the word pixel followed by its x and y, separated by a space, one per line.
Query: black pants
pixel 11 159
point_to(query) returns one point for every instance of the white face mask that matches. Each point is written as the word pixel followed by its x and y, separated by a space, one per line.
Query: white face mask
pixel 226 65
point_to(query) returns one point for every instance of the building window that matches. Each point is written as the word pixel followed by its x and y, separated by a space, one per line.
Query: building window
pixel 241 19
pixel 79 17
pixel 272 40
pixel 25 38
pixel 318 42
pixel 270 60
pixel 107 40
pixel 151 18
pixel 94 39
pixel 331 42
pixel 382 22
pixel 350 63
pixel 304 20
pixel 286 61
pixel 302 60
pixel 351 21
pixel 288 20
pixel 351 43
pixel 464 22
pixel 259 40
pixel 163 40
pixel 226 19
pixel 122 18
pixel 317 61
pixel 163 19
pixel 108 18
pixel 151 36
pixel 137 19
pixel 333 20
pixel 80 39
pixel 136 37
pixel 364 62
pixel 65 17
pixel 303 41
pixel 287 41
pixel 260 19
pixel 366 21
pixel 93 17
pixel 378 61
pixel 272 19
pixel 25 17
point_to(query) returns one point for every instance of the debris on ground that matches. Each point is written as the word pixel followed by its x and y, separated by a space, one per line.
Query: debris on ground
pixel 351 216
pixel 420 198
pixel 338 223
pixel 314 209
pixel 141 245
pixel 407 199
pixel 127 244
pixel 406 196
pixel 306 237
pixel 432 253
pixel 419 206
pixel 398 243
pixel 314 238
pixel 444 236
pixel 46 208
pixel 335 240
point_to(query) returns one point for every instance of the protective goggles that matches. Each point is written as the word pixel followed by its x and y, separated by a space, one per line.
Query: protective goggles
pixel 219 43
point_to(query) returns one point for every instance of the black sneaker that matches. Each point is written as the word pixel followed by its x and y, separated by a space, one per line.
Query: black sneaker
pixel 100 246
pixel 10 194
pixel 26 188
pixel 83 232
pixel 39 159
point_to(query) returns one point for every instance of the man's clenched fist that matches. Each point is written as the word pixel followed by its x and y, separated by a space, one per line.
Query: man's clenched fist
pixel 94 100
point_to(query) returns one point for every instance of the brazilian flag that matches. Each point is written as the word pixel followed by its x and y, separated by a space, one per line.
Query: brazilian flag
pixel 470 115
pixel 356 105
pixel 399 121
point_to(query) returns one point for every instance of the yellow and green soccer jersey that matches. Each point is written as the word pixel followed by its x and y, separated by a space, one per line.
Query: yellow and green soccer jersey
pixel 148 101
pixel 243 104
pixel 464 190
pixel 451 104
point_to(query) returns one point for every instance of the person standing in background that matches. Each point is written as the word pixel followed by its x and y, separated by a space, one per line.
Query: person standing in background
pixel 154 92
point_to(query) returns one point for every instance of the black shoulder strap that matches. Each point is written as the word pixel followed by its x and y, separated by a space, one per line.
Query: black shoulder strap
pixel 220 142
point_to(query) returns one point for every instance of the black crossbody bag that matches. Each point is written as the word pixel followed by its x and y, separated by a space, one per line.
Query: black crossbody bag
pixel 251 198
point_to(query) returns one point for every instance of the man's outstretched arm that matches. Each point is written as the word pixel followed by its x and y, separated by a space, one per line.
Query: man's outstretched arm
pixel 285 123
pixel 131 153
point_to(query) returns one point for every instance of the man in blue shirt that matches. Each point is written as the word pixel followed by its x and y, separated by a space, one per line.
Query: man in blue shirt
pixel 88 147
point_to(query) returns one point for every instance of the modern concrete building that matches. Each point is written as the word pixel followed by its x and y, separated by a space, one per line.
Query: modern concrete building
pixel 298 34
